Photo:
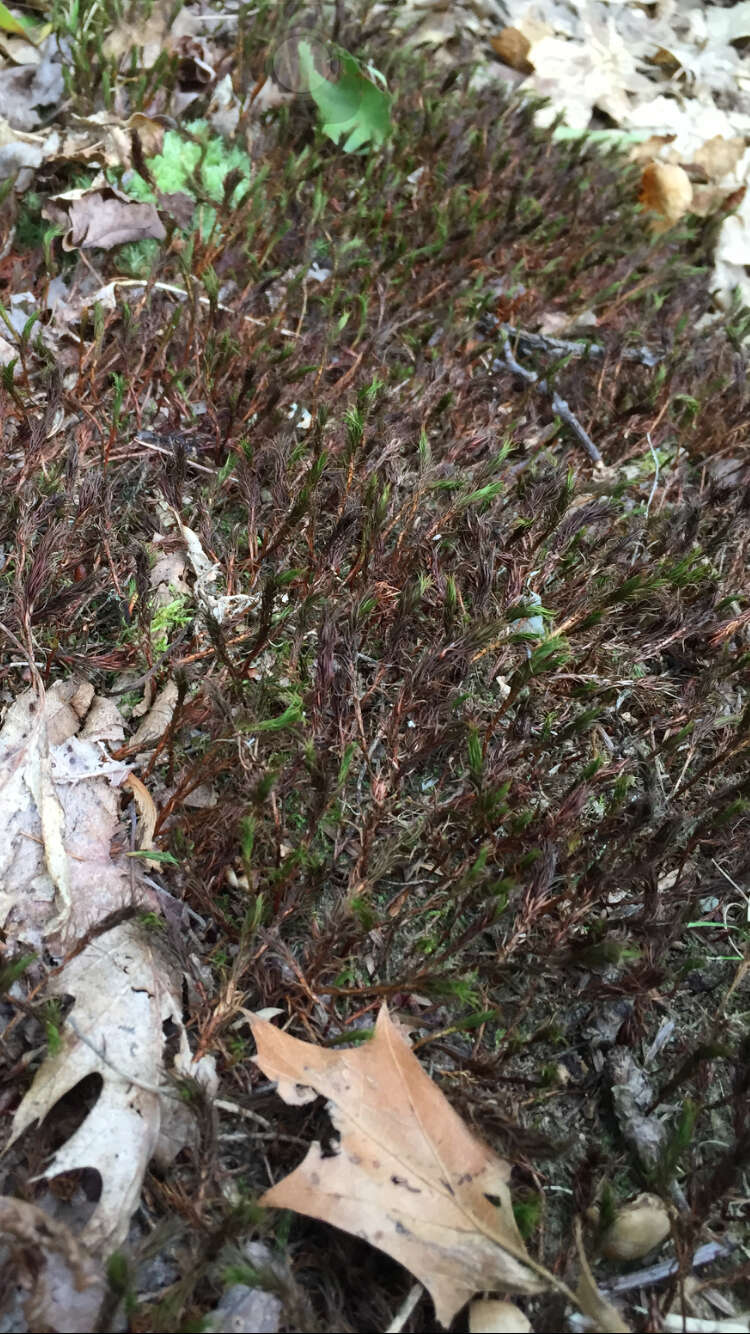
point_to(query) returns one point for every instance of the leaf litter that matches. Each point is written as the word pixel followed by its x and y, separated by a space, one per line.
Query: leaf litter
pixel 407 1174
pixel 55 884
pixel 64 892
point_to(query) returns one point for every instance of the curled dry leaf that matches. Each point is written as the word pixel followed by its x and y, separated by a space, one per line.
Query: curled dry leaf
pixel 633 1097
pixel 409 1176
pixel 59 810
pixel 125 991
pixel 147 813
pixel 148 36
pixel 513 49
pixel 159 716
pixel 102 216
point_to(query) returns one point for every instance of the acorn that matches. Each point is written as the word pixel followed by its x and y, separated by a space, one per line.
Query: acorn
pixel 487 1316
pixel 637 1228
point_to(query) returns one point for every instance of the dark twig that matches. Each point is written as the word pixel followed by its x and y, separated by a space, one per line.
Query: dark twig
pixel 576 347
pixel 558 404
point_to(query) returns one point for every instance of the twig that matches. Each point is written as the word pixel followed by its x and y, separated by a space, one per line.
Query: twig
pixel 652 493
pixel 559 405
pixel 181 293
pixel 405 1310
pixel 641 1278
pixel 161 1091
pixel 578 347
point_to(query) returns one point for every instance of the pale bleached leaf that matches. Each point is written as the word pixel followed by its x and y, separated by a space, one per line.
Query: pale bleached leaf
pixel 125 989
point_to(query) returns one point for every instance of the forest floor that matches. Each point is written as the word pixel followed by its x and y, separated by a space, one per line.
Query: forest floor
pixel 453 716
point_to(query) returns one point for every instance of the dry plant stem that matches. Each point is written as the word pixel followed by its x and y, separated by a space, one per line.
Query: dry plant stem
pixel 405 1309
pixel 577 347
pixel 180 292
pixel 161 1091
pixel 558 404
pixel 641 1278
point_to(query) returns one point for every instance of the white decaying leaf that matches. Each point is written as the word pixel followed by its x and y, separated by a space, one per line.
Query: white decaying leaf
pixel 59 811
pixel 124 993
pixel 58 882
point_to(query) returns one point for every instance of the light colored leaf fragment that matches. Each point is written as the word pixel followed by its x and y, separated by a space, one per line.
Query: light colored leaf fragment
pixel 100 221
pixel 159 717
pixel 147 35
pixel 59 813
pixel 125 990
pixel 409 1176
pixel 632 1097
pixel 218 607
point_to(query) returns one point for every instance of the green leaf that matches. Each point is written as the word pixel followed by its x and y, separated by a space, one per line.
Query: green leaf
pixel 155 856
pixel 9 23
pixel 352 108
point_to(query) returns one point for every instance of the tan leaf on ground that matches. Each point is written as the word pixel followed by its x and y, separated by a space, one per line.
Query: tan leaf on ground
pixel 125 990
pixel 636 1229
pixel 665 190
pixel 102 216
pixel 159 716
pixel 147 812
pixel 167 579
pixel 59 811
pixel 147 35
pixel 58 882
pixel 409 1176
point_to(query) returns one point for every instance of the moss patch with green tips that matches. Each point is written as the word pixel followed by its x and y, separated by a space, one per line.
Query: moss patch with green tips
pixel 478 738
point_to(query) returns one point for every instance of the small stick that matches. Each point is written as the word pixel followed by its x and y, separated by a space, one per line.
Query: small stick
pixel 578 347
pixel 558 404
pixel 405 1310
pixel 641 1278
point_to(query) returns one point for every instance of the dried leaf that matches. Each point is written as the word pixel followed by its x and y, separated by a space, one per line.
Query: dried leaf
pixel 666 190
pixel 146 810
pixel 58 882
pixel 59 809
pixel 720 156
pixel 513 49
pixel 25 89
pixel 102 216
pixel 159 717
pixel 147 35
pixel 409 1176
pixel 632 1097
pixel 125 990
